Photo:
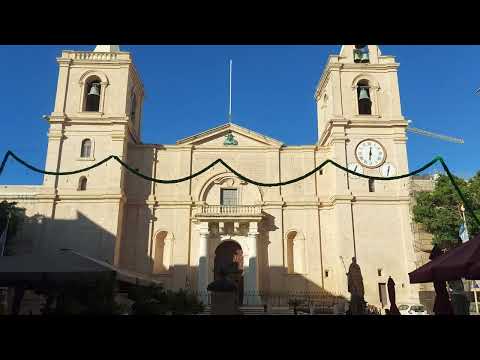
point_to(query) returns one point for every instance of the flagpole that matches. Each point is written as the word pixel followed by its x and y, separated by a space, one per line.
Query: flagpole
pixel 230 95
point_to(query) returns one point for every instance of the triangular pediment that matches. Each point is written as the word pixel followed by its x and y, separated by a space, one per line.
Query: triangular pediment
pixel 241 138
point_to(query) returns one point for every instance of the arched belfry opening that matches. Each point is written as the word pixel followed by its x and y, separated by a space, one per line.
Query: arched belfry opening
pixel 364 99
pixel 93 92
pixel 360 54
pixel 229 261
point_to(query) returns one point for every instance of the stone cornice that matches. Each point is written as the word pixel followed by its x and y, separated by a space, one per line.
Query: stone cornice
pixel 206 149
pixel 372 122
pixel 375 67
pixel 173 203
pixel 97 119
pixel 90 196
pixel 30 197
pixel 360 122
pixel 237 148
pixel 299 148
pixel 381 199
pixel 301 205
pixel 273 204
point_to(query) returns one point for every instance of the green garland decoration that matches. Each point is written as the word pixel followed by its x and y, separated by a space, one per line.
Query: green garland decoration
pixel 240 176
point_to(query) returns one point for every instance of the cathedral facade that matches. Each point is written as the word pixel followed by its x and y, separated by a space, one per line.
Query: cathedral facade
pixel 296 237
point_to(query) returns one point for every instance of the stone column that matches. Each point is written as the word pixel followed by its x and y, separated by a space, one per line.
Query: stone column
pixel 202 271
pixel 251 276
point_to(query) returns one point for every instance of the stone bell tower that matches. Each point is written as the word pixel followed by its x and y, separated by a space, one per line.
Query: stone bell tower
pixel 97 113
pixel 360 121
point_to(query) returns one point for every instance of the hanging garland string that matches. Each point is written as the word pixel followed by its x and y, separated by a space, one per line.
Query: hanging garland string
pixel 240 176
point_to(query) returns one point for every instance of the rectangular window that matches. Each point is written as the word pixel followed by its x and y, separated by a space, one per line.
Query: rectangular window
pixel 382 292
pixel 371 185
pixel 228 197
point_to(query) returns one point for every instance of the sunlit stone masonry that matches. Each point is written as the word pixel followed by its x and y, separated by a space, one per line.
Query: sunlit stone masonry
pixel 287 238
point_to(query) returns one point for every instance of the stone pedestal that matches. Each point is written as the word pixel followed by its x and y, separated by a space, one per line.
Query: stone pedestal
pixel 224 297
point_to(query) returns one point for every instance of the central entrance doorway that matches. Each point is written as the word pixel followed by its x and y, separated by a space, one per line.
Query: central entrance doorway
pixel 229 260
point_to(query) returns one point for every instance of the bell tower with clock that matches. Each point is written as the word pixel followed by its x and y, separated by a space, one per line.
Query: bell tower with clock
pixel 361 126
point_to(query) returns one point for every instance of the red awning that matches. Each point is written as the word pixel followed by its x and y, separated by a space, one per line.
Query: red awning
pixel 460 262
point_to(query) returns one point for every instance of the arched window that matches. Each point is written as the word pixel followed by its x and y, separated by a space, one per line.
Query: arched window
pixel 163 249
pixel 360 54
pixel 363 97
pixel 86 149
pixel 133 108
pixel 92 94
pixel 82 184
pixel 295 253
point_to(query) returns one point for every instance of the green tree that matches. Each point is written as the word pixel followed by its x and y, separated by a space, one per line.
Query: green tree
pixel 439 211
pixel 155 300
pixel 17 216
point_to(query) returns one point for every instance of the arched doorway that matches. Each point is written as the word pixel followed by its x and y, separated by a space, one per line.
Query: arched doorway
pixel 229 260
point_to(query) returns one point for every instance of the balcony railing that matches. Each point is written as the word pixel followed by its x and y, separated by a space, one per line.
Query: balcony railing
pixel 223 210
pixel 95 56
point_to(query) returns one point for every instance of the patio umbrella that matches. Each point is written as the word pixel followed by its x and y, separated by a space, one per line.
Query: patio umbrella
pixel 460 262
pixel 475 272
pixel 442 305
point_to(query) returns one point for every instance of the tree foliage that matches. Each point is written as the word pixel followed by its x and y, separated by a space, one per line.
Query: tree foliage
pixel 439 211
pixel 17 216
pixel 155 300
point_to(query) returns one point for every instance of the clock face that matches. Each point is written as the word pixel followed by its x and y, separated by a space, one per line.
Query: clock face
pixel 370 154
pixel 355 167
pixel 388 170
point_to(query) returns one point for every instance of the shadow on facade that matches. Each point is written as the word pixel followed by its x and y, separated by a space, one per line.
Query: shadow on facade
pixel 39 233
pixel 276 286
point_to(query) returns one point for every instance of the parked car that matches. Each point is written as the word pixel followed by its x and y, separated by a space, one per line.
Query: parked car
pixel 473 309
pixel 412 309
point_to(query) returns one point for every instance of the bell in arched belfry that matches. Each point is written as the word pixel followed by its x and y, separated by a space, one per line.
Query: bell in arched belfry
pixel 363 94
pixel 365 57
pixel 95 89
pixel 357 55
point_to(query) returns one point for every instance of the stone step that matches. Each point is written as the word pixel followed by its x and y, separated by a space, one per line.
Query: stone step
pixel 256 310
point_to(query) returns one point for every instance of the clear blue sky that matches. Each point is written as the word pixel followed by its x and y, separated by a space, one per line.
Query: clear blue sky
pixel 273 87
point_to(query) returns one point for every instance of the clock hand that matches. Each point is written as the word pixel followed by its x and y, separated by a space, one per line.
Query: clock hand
pixel 370 154
pixel 355 168
pixel 388 170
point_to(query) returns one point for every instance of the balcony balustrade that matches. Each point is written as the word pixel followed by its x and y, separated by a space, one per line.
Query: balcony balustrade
pixel 229 211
